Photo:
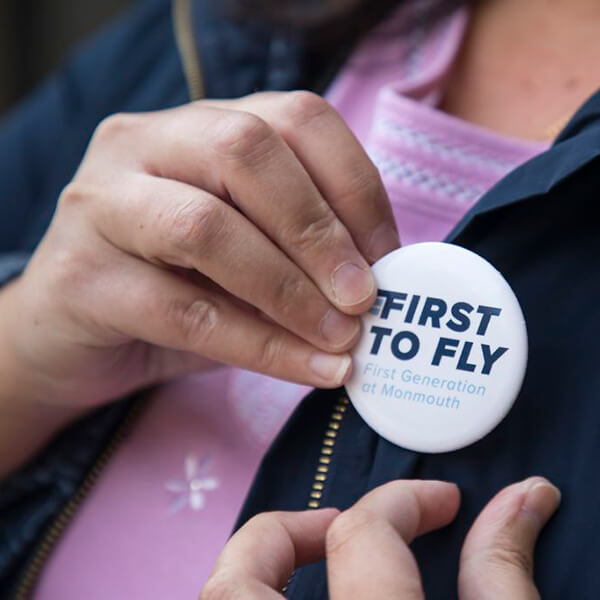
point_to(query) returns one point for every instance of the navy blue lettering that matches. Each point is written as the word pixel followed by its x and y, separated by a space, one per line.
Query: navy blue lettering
pixel 380 333
pixel 487 313
pixel 463 361
pixel 460 313
pixel 412 308
pixel 445 347
pixel 489 358
pixel 391 302
pixel 414 345
pixel 434 309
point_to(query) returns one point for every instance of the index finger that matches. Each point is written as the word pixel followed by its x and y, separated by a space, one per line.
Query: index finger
pixel 367 546
pixel 262 555
pixel 347 179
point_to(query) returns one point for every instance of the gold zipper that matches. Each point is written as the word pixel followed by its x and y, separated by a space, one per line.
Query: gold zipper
pixel 30 577
pixel 327 446
pixel 186 45
pixel 325 457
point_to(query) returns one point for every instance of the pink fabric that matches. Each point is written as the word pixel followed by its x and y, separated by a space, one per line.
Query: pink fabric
pixel 434 166
pixel 160 513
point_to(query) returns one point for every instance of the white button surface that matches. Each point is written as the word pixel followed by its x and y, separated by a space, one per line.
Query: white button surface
pixel 443 351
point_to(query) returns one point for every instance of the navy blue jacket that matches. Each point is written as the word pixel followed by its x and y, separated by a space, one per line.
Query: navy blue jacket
pixel 537 227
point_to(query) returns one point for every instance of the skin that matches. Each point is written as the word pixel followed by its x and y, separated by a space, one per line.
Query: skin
pixel 539 58
pixel 496 559
pixel 242 232
pixel 218 232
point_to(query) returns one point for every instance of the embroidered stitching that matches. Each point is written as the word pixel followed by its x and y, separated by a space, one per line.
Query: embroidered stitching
pixel 426 179
pixel 435 146
pixel 191 491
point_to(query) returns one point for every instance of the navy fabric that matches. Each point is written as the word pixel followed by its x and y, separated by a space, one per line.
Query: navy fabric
pixel 33 497
pixel 537 226
pixel 131 66
pixel 243 57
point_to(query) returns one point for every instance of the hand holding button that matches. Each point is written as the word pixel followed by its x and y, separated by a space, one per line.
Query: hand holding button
pixel 221 232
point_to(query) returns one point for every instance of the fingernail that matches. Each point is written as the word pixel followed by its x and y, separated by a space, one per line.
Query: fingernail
pixel 339 329
pixel 352 284
pixel 331 368
pixel 382 241
pixel 541 499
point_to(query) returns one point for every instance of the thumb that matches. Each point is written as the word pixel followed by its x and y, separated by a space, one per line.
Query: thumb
pixel 497 557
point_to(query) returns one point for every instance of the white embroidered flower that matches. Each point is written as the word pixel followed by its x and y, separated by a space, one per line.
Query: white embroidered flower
pixel 191 491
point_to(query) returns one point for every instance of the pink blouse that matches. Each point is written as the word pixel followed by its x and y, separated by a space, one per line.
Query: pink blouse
pixel 161 511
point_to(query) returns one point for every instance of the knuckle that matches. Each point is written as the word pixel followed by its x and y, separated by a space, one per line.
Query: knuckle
pixel 367 180
pixel 317 234
pixel 507 554
pixel 271 351
pixel 73 194
pixel 346 526
pixel 363 187
pixel 73 271
pixel 301 107
pixel 242 136
pixel 196 321
pixel 286 294
pixel 114 127
pixel 264 521
pixel 195 226
pixel 219 587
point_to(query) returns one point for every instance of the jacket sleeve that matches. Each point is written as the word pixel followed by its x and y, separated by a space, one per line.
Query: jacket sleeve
pixel 42 142
pixel 43 139
pixel 27 136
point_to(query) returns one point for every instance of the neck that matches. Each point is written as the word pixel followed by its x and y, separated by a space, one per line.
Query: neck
pixel 526 65
pixel 567 8
pixel 566 18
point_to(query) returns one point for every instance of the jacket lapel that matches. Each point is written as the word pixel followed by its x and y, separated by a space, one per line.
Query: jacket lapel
pixel 576 147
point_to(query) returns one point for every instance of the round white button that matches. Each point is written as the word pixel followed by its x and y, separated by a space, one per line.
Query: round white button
pixel 443 350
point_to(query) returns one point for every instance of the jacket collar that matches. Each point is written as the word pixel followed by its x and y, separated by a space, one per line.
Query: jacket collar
pixel 243 56
pixel 239 58
pixel 576 146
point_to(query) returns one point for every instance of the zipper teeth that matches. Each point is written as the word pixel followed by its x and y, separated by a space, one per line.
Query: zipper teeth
pixel 31 575
pixel 325 458
pixel 327 447
pixel 30 578
pixel 186 45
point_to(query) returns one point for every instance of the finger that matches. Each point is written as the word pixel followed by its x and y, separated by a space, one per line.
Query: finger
pixel 497 557
pixel 228 588
pixel 263 553
pixel 367 545
pixel 161 308
pixel 236 155
pixel 167 222
pixel 347 178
